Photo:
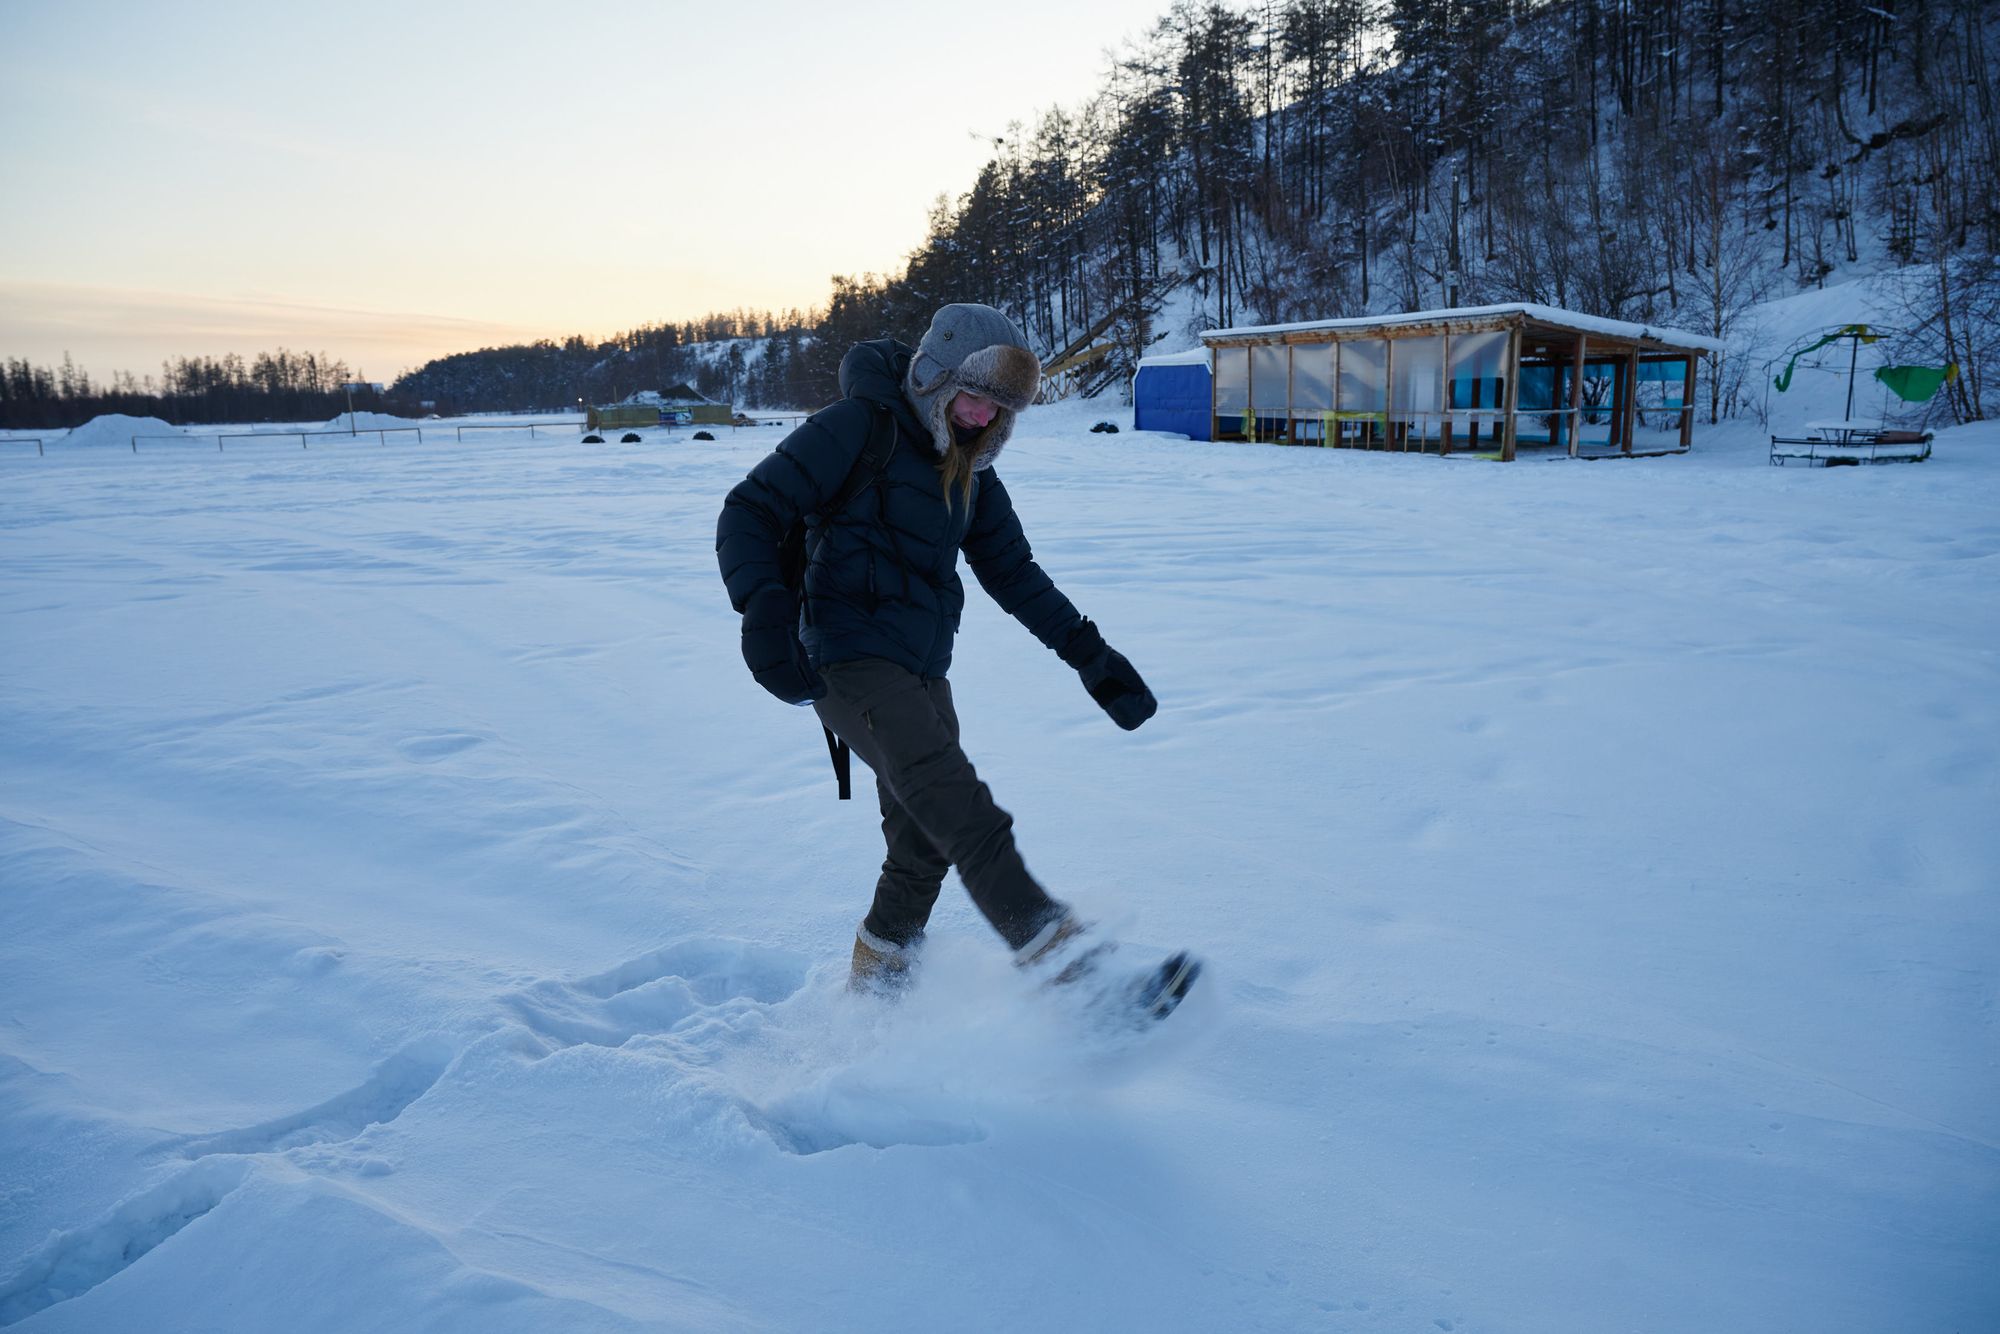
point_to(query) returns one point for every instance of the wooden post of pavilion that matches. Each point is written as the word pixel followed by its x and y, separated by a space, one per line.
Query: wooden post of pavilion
pixel 1576 397
pixel 1291 407
pixel 1333 423
pixel 1388 393
pixel 1444 437
pixel 1613 396
pixel 1687 404
pixel 1630 406
pixel 1250 395
pixel 1512 396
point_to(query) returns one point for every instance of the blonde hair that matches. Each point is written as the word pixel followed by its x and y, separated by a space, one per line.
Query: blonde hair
pixel 955 469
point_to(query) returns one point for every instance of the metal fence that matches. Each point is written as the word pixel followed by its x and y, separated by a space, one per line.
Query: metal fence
pixel 1588 431
pixel 381 434
pixel 515 426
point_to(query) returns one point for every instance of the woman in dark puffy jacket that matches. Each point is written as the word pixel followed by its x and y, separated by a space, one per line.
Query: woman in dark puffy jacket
pixel 871 645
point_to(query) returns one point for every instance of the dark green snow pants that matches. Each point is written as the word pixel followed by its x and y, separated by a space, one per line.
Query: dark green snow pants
pixel 936 814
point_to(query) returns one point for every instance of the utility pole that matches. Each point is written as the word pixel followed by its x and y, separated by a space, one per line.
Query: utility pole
pixel 1451 255
pixel 1361 243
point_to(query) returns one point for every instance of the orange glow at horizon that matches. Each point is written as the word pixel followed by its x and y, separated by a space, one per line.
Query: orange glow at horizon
pixel 172 193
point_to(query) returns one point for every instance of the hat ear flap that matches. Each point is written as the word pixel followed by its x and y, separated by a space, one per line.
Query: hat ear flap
pixel 927 374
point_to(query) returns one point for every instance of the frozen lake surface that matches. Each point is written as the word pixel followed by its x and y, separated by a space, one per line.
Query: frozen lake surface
pixel 413 917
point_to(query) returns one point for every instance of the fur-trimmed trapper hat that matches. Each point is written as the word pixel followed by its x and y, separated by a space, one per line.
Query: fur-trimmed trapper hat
pixel 972 349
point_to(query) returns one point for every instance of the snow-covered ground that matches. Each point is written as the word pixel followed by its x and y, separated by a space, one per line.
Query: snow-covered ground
pixel 413 918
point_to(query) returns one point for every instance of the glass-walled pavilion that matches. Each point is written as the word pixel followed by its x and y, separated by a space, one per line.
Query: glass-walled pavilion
pixel 1490 380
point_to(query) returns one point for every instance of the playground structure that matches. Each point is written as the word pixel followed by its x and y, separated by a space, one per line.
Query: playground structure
pixel 1849 439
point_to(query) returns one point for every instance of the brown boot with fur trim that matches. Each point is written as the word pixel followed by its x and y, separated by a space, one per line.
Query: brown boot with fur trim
pixel 880 968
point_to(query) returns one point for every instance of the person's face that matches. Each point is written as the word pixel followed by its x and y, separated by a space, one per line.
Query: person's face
pixel 973 411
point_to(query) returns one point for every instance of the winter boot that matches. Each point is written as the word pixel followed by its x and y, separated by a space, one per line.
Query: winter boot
pixel 880 967
pixel 1068 954
pixel 1063 952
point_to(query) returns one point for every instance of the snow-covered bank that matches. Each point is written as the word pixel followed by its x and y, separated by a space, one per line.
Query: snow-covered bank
pixel 414 918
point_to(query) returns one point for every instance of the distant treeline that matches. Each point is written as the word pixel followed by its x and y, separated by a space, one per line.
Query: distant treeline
pixel 708 354
pixel 272 386
pixel 752 357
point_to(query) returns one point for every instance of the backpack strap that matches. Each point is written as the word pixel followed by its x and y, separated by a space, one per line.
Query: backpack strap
pixel 843 766
pixel 868 470
pixel 874 460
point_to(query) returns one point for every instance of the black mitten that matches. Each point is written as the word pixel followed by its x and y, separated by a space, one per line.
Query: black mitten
pixel 1111 680
pixel 771 647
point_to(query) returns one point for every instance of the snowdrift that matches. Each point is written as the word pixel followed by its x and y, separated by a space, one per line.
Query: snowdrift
pixel 114 429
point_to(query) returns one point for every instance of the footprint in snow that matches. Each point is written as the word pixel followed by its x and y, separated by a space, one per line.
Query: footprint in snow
pixel 707 1005
pixel 681 990
pixel 846 1109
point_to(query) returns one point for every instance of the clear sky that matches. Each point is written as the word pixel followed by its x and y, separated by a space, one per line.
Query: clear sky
pixel 390 182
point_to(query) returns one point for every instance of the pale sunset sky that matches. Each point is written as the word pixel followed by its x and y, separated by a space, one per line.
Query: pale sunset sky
pixel 391 182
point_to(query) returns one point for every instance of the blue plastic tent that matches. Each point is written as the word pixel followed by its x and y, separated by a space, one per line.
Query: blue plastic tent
pixel 1173 393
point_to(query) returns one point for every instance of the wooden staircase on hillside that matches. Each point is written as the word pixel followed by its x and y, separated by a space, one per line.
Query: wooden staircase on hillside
pixel 1078 369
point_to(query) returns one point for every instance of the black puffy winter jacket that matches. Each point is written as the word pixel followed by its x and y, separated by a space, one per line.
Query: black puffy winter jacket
pixel 882 577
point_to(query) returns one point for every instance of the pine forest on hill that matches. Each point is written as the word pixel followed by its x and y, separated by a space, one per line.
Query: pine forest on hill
pixel 1666 161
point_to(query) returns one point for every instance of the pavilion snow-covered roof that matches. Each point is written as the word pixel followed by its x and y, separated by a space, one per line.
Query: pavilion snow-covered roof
pixel 1552 318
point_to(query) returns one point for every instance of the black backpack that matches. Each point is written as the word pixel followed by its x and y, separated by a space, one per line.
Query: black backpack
pixel 793 556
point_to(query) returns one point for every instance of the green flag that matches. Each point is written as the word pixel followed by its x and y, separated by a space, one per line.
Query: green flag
pixel 1859 331
pixel 1916 384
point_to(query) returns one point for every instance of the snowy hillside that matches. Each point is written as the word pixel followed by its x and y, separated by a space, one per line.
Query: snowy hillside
pixel 414 917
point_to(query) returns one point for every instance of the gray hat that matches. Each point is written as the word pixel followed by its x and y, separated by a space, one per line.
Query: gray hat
pixel 956 332
pixel 972 349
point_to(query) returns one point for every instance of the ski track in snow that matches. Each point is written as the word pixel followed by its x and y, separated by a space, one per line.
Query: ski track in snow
pixel 687 1006
pixel 708 1014
pixel 402 883
pixel 70 1264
